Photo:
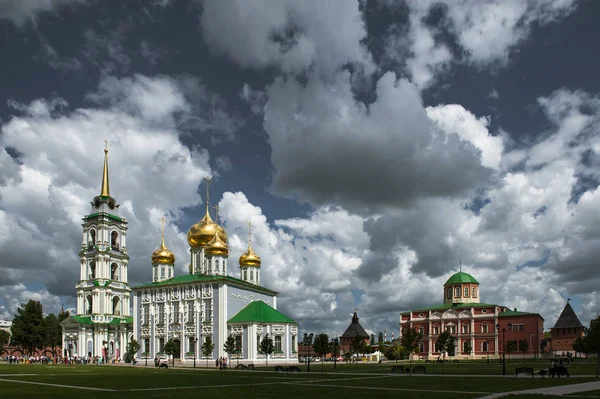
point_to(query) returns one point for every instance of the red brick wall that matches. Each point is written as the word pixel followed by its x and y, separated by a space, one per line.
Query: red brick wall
pixel 563 338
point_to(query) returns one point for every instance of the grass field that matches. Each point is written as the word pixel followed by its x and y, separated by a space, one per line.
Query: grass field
pixel 348 381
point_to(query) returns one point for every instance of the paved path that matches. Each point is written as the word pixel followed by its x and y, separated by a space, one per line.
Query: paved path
pixel 558 390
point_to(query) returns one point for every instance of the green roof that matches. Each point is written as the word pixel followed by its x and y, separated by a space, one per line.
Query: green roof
pixel 452 306
pixel 461 277
pixel 126 319
pixel 93 215
pixel 260 312
pixel 88 320
pixel 198 278
pixel 514 313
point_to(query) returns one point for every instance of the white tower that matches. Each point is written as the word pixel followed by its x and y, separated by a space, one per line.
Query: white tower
pixel 163 260
pixel 250 262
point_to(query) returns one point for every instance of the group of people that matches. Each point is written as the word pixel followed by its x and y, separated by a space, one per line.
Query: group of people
pixel 221 363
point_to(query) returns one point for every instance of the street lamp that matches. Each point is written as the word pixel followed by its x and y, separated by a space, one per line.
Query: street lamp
pixel 504 330
pixel 310 336
pixel 146 350
pixel 194 341
pixel 487 349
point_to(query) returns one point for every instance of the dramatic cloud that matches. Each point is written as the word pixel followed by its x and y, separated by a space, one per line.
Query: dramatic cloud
pixel 290 35
pixel 21 11
pixel 53 174
pixel 330 148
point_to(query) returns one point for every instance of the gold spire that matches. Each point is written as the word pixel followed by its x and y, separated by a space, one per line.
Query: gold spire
pixel 162 254
pixel 203 231
pixel 250 258
pixel 105 192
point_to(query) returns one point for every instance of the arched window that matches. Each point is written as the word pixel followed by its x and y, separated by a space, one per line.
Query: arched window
pixel 92 240
pixel 116 305
pixel 170 272
pixel 92 270
pixel 90 305
pixel 218 265
pixel 457 292
pixel 474 292
pixel 449 295
pixel 421 347
pixel 278 343
pixel 464 348
pixel 244 276
pixel 162 272
pixel 114 271
pixel 114 240
pixel 251 275
pixel 294 343
pixel 484 346
pixel 466 292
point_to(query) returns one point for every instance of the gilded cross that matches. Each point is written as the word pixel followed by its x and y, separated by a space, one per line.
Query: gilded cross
pixel 216 207
pixel 249 232
pixel 163 220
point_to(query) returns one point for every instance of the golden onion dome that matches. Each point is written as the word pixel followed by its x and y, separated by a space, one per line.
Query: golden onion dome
pixel 216 246
pixel 163 255
pixel 202 232
pixel 250 258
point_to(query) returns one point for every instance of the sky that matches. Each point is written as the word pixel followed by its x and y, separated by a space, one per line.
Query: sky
pixel 374 145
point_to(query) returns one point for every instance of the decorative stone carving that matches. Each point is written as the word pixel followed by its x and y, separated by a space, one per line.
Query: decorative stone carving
pixel 237 330
pixel 207 329
pixel 278 330
pixel 259 330
pixel 294 330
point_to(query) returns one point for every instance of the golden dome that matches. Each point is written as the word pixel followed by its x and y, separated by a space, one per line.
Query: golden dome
pixel 202 232
pixel 216 246
pixel 250 258
pixel 163 255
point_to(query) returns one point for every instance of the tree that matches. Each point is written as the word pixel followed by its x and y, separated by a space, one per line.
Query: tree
pixel 133 347
pixel 28 327
pixel 468 347
pixel 591 341
pixel 238 350
pixel 372 341
pixel 207 348
pixel 170 348
pixel 322 347
pixel 380 339
pixel 579 346
pixel 397 351
pixel 410 342
pixel 445 344
pixel 53 332
pixel 4 339
pixel 511 346
pixel 335 351
pixel 357 345
pixel 267 347
pixel 523 346
pixel 229 345
pixel 544 344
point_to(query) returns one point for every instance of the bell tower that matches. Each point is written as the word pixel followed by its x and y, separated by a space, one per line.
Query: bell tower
pixel 103 289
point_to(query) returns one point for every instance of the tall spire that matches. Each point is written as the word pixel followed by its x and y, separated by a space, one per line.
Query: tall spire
pixel 208 181
pixel 105 184
pixel 163 220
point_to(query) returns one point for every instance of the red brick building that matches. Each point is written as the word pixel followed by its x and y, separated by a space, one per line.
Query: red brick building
pixel 470 320
pixel 566 330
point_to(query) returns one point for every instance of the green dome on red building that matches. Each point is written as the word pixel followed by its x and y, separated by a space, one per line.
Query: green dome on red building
pixel 461 278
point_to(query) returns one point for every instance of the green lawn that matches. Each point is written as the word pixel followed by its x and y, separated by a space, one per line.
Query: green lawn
pixel 133 382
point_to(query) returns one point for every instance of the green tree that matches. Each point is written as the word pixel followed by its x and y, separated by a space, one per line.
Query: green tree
pixel 410 342
pixel 468 347
pixel 357 345
pixel 543 344
pixel 591 340
pixel 229 346
pixel 579 346
pixel 380 339
pixel 397 351
pixel 170 349
pixel 207 348
pixel 132 348
pixel 335 351
pixel 511 346
pixel 238 350
pixel 322 347
pixel 347 356
pixel 372 341
pixel 266 347
pixel 4 339
pixel 28 327
pixel 523 346
pixel 53 332
pixel 444 342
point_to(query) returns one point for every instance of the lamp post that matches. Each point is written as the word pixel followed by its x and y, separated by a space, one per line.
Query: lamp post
pixel 146 350
pixel 310 336
pixel 335 344
pixel 487 349
pixel 305 344
pixel 504 330
pixel 195 341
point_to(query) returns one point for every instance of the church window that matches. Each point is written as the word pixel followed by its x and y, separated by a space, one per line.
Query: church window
pixel 92 241
pixel 191 313
pixel 114 271
pixel 209 267
pixel 175 313
pixel 466 292
pixel 421 347
pixel 484 346
pixel 451 329
pixel 294 349
pixel 474 292
pixel 116 305
pixel 436 330
pixel 161 344
pixel 114 241
pixel 207 311
pixel 90 303
pixel 238 345
pixel 161 313
pixel 465 346
pixel 218 265
pixel 258 343
pixel 449 295
pixel 244 276
pixel 251 275
pixel 457 292
pixel 421 331
pixel 484 328
pixel 92 270
pixel 170 272
pixel 278 343
pixel 192 345
pixel 146 311
pixel 465 328
pixel 162 272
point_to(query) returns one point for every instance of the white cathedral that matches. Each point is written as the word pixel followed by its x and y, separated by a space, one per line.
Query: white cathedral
pixel 207 302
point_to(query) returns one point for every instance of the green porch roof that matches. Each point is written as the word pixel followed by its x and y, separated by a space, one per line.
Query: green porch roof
pixel 260 312
pixel 461 277
pixel 93 215
pixel 197 278
pixel 452 306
